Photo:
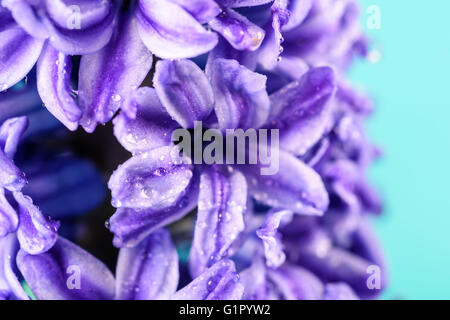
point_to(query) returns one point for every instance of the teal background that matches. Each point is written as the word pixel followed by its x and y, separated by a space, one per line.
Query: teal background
pixel 411 88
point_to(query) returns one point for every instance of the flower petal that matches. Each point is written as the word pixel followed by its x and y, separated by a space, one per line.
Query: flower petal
pixel 11 177
pixel 37 233
pixel 53 74
pixel 240 32
pixel 11 132
pixel 28 19
pixel 148 271
pixel 150 127
pixel 219 282
pixel 170 32
pixel 241 97
pixel 339 291
pixel 273 247
pixel 66 272
pixel 242 3
pixel 9 219
pixel 184 91
pixel 220 218
pixel 254 281
pixel 10 288
pixel 156 179
pixel 202 10
pixel 294 187
pixel 131 226
pixel 18 54
pixel 301 112
pixel 108 77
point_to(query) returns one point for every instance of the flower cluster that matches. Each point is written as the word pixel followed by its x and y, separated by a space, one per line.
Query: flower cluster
pixel 158 66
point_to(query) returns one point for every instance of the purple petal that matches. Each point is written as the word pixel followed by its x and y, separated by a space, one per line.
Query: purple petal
pixel 6 19
pixel 150 127
pixel 298 11
pixel 66 272
pixel 273 246
pixel 254 281
pixel 241 97
pixel 9 219
pixel 202 10
pixel 148 271
pixel 108 77
pixel 11 132
pixel 10 288
pixel 53 74
pixel 18 54
pixel 295 283
pixel 28 19
pixel 339 291
pixel 221 206
pixel 219 282
pixel 97 23
pixel 301 112
pixel 242 3
pixel 156 179
pixel 238 30
pixel 184 91
pixel 37 233
pixel 170 32
pixel 294 187
pixel 131 226
pixel 11 177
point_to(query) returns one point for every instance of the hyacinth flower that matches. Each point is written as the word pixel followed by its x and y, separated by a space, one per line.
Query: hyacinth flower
pixel 146 272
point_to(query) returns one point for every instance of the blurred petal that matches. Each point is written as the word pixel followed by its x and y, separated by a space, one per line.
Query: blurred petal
pixel 10 288
pixel 170 32
pixel 294 187
pixel 339 291
pixel 295 283
pixel 240 32
pixel 9 220
pixel 241 97
pixel 28 19
pixel 53 73
pixel 6 19
pixel 273 246
pixel 301 112
pixel 37 233
pixel 202 10
pixel 219 282
pixel 131 226
pixel 108 77
pixel 254 281
pixel 148 271
pixel 18 54
pixel 53 275
pixel 150 127
pixel 156 179
pixel 11 132
pixel 184 91
pixel 242 3
pixel 220 218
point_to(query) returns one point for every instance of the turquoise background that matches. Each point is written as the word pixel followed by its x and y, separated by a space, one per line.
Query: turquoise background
pixel 411 87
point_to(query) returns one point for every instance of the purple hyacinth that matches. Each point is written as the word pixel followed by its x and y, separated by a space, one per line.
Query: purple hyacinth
pixel 205 68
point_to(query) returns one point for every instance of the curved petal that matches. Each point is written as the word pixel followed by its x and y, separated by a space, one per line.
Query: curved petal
pixel 241 96
pixel 156 179
pixel 301 112
pixel 254 281
pixel 6 19
pixel 219 282
pixel 11 132
pixel 27 17
pixel 93 30
pixel 296 283
pixel 145 125
pixel 66 272
pixel 242 3
pixel 273 246
pixel 10 288
pixel 170 32
pixel 9 220
pixel 36 233
pixel 53 75
pixel 184 91
pixel 18 54
pixel 294 187
pixel 202 10
pixel 11 177
pixel 148 271
pixel 220 218
pixel 339 291
pixel 131 226
pixel 240 32
pixel 108 77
